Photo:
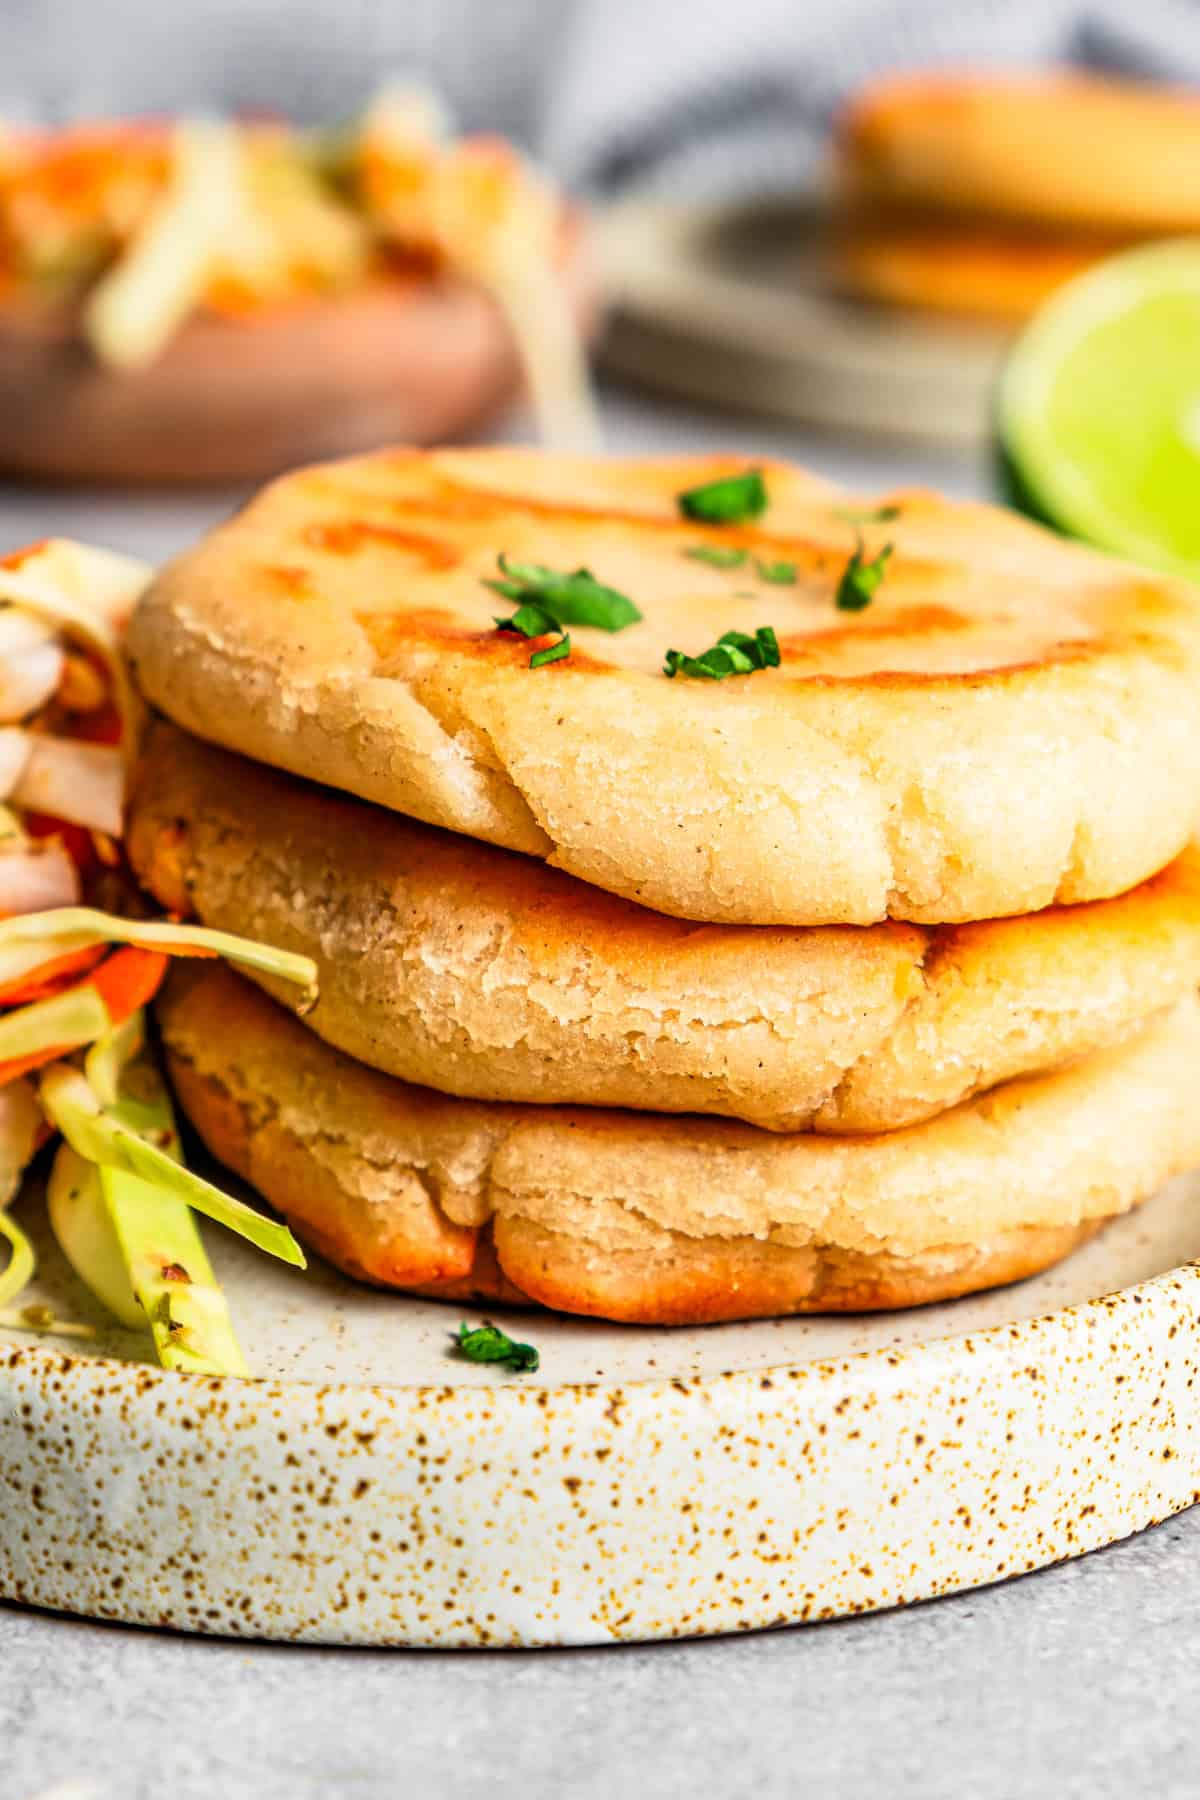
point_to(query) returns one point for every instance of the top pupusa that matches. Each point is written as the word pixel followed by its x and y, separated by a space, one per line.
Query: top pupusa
pixel 988 735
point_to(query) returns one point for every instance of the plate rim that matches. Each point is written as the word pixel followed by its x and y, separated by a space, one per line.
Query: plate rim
pixel 805 356
pixel 466 1516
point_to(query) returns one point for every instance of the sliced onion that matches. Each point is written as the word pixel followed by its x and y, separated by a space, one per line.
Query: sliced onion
pixel 21 630
pixel 28 679
pixel 31 663
pixel 14 754
pixel 36 878
pixel 86 595
pixel 81 783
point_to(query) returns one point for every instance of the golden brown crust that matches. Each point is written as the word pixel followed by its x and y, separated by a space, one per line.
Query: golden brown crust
pixel 707 1281
pixel 987 737
pixel 1081 151
pixel 486 974
pixel 672 1220
pixel 955 266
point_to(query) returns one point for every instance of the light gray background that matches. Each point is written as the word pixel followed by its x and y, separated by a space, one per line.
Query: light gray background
pixel 1081 1681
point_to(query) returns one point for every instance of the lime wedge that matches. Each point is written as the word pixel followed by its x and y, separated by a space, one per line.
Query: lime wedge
pixel 1099 408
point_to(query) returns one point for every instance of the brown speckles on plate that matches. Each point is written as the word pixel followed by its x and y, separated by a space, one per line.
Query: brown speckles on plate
pixel 726 1480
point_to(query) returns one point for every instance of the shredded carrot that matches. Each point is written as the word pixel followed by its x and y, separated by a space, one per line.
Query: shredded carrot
pixel 16 559
pixel 233 297
pixel 125 981
pixel 128 979
pixel 51 976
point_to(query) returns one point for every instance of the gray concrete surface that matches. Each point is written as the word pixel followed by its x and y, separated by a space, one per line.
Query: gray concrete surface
pixel 1077 1682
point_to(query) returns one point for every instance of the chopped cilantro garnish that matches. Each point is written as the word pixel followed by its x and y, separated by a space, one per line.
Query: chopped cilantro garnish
pixel 860 578
pixel 727 501
pixel 762 648
pixel 552 653
pixel 486 1343
pixel 722 556
pixel 530 620
pixel 551 599
pixel 719 556
pixel 533 621
pixel 780 574
pixel 574 598
pixel 712 665
pixel 867 515
pixel 735 653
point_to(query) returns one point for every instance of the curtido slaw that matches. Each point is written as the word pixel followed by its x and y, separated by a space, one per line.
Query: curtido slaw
pixel 75 979
pixel 141 223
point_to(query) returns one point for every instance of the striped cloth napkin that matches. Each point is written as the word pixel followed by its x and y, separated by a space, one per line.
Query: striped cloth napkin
pixel 704 98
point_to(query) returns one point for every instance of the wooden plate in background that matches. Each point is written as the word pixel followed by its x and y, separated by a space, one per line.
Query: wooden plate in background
pixel 417 361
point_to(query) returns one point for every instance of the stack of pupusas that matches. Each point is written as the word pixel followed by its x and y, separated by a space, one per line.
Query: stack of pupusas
pixel 982 193
pixel 786 906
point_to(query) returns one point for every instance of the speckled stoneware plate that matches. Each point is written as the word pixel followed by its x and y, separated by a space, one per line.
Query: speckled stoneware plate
pixel 735 306
pixel 370 1489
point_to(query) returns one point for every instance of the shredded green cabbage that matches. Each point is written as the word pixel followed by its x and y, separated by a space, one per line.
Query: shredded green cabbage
pixel 134 1243
pixel 60 1023
pixel 101 1137
pixel 137 1248
pixel 86 1236
pixel 66 928
pixel 21 1263
pixel 172 1277
pixel 110 1056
